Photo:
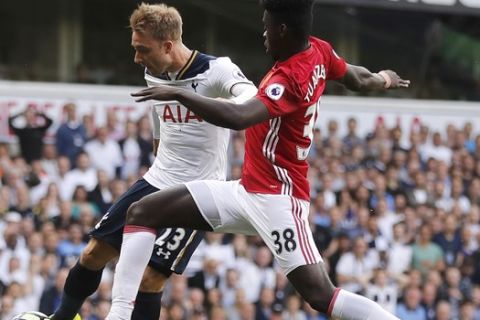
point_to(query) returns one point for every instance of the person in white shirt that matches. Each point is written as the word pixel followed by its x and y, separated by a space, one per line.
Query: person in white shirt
pixel 437 150
pixel 186 147
pixel 105 153
pixel 83 175
pixel 399 253
pixel 383 291
pixel 131 151
pixel 355 269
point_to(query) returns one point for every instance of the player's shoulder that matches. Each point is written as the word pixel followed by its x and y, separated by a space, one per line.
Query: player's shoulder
pixel 205 65
pixel 200 63
pixel 225 68
pixel 320 43
pixel 222 63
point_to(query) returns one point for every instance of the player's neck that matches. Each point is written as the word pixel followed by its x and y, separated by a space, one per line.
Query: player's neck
pixel 294 49
pixel 181 54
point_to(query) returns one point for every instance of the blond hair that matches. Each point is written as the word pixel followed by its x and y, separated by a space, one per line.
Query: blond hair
pixel 163 22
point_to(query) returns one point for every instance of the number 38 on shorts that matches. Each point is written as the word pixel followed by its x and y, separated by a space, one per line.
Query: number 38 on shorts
pixel 284 240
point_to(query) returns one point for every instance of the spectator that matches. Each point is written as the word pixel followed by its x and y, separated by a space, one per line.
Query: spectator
pixel 426 255
pixel 383 291
pixel 52 201
pixel 207 278
pixel 429 300
pixel 229 286
pixel 7 310
pixel 293 311
pixel 114 128
pixel 30 127
pixel 89 124
pixel 82 175
pixel 467 310
pixel 355 269
pixel 131 151
pixel 105 153
pixel 399 253
pixel 437 150
pixel 451 291
pixel 70 249
pixel 80 199
pixel 450 241
pixel 457 197
pixel 265 304
pixel 145 141
pixel 386 218
pixel 101 195
pixel 196 300
pixel 15 247
pixel 444 311
pixel 339 246
pixel 49 161
pixel 71 135
pixel 264 262
pixel 352 139
pixel 51 295
pixel 64 219
pixel 411 308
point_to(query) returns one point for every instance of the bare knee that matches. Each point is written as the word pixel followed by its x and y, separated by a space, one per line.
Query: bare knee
pixel 152 281
pixel 97 254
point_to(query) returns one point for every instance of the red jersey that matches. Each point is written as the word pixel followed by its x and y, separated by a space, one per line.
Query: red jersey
pixel 276 150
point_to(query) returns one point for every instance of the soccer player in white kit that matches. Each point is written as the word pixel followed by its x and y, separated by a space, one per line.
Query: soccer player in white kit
pixel 186 148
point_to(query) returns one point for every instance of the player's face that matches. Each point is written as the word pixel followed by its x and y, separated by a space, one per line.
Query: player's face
pixel 271 34
pixel 151 53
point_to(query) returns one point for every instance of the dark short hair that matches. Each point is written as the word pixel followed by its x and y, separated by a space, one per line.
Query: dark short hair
pixel 296 14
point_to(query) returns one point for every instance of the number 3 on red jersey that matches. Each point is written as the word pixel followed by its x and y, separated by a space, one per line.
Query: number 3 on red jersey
pixel 302 153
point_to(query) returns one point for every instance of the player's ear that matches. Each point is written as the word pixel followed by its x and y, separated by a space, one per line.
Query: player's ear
pixel 168 45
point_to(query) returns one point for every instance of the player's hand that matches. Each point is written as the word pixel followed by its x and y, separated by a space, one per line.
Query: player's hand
pixel 395 80
pixel 160 92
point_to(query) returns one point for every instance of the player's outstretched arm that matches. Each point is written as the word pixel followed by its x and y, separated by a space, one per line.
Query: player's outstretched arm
pixel 220 112
pixel 358 78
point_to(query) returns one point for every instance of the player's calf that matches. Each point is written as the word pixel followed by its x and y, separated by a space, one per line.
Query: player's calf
pixel 81 282
pixel 314 285
pixel 84 278
pixel 149 297
pixel 152 281
pixel 312 282
pixel 97 254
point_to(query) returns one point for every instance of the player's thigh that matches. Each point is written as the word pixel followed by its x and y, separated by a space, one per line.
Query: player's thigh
pixel 220 203
pixel 173 249
pixel 110 228
pixel 282 222
pixel 170 207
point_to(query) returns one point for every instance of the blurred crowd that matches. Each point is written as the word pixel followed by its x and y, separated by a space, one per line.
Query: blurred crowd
pixel 395 216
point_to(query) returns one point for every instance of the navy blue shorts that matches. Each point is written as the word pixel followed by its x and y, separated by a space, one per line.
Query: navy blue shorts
pixel 173 247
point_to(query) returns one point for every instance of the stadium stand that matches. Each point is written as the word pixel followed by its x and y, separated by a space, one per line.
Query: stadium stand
pixel 395 220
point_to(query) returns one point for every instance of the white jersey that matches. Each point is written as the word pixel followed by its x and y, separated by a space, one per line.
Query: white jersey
pixel 190 148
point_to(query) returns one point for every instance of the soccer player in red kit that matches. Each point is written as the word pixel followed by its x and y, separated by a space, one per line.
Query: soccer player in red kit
pixel 272 198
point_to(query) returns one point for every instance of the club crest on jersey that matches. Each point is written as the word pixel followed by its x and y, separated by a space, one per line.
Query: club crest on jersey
pixel 237 74
pixel 275 91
